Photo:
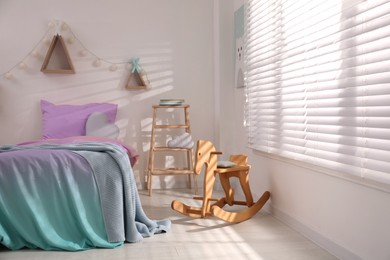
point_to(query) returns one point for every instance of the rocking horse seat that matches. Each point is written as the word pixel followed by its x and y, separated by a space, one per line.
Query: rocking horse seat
pixel 207 156
pixel 234 171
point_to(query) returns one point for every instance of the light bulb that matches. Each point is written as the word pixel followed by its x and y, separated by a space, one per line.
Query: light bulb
pixel 83 53
pixel 113 67
pixel 51 24
pixel 8 75
pixel 47 41
pixel 22 65
pixel 98 62
pixel 64 27
pixel 71 40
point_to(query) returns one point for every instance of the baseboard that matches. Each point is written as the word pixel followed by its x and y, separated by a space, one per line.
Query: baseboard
pixel 322 241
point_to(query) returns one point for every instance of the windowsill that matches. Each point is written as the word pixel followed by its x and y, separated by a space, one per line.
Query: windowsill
pixel 344 176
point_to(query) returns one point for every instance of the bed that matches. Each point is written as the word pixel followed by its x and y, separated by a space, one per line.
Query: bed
pixel 71 193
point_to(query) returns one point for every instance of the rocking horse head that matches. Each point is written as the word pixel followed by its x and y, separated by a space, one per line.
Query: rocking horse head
pixel 204 149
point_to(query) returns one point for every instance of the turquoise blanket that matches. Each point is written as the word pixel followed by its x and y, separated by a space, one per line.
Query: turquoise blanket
pixel 70 197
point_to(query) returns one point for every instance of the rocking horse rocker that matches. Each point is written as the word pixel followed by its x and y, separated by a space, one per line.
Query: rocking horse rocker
pixel 206 155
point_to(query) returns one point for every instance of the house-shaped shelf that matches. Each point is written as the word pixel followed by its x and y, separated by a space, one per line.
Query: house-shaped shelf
pixel 57 58
pixel 137 80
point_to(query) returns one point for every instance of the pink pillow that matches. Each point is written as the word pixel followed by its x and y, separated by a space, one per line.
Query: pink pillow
pixel 60 121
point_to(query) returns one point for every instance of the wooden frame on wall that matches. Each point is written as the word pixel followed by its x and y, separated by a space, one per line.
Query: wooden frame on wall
pixel 57 58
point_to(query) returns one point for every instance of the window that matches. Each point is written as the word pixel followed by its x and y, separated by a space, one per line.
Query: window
pixel 318 84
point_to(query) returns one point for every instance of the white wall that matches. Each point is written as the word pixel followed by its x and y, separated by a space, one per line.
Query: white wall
pixel 349 219
pixel 173 38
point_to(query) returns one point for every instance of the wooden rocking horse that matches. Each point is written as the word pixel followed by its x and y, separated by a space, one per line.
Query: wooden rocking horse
pixel 206 155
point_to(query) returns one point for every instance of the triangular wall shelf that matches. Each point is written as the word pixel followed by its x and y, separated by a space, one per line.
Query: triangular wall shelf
pixel 57 59
pixel 137 80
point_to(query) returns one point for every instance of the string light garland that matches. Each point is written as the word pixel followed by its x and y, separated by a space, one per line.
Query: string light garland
pixel 23 63
pixel 57 27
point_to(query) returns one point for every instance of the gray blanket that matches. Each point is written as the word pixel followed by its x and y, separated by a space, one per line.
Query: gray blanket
pixel 118 191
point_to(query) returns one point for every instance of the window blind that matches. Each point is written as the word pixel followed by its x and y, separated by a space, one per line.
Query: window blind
pixel 318 83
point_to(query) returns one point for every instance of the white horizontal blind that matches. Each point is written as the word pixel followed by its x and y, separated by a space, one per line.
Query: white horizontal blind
pixel 318 83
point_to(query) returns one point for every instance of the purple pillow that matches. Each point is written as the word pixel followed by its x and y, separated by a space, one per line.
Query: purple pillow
pixel 60 121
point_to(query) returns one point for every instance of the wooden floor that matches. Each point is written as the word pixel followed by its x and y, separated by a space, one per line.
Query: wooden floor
pixel 262 237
